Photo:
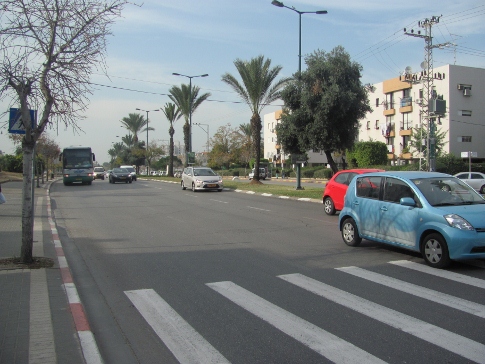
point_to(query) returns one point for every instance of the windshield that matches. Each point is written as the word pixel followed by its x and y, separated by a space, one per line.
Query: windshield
pixel 129 169
pixel 203 172
pixel 447 191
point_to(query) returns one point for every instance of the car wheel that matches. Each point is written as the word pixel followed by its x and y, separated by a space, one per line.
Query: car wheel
pixel 435 251
pixel 131 181
pixel 482 190
pixel 220 190
pixel 350 233
pixel 183 186
pixel 328 206
pixel 193 187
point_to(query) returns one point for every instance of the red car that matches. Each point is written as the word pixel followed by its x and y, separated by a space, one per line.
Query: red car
pixel 336 187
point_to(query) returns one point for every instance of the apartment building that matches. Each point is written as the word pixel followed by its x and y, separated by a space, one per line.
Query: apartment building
pixel 398 110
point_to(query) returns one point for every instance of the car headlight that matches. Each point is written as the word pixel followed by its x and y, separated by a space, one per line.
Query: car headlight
pixel 458 222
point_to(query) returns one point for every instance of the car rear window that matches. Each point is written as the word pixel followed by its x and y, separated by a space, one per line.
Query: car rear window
pixel 368 187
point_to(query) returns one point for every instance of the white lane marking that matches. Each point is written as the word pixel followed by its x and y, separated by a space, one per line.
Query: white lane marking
pixel 211 199
pixel 480 283
pixel 256 208
pixel 429 294
pixel 319 340
pixel 450 341
pixel 267 194
pixel 186 344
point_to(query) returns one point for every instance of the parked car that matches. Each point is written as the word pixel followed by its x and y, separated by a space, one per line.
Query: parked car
pixel 201 178
pixel 413 210
pixel 474 179
pixel 336 187
pixel 98 173
pixel 131 170
pixel 262 174
pixel 108 172
pixel 120 175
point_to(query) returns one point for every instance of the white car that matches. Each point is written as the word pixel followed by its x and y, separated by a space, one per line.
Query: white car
pixel 262 174
pixel 200 179
pixel 476 180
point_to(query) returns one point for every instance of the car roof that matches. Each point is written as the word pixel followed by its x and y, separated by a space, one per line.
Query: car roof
pixel 361 170
pixel 410 174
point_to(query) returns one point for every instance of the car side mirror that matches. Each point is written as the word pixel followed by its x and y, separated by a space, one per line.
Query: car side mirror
pixel 407 201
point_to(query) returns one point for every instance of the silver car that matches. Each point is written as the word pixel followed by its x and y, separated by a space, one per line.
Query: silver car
pixel 200 179
pixel 476 180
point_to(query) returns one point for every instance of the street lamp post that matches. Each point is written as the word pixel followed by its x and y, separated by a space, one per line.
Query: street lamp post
pixel 281 5
pixel 191 104
pixel 207 132
pixel 146 150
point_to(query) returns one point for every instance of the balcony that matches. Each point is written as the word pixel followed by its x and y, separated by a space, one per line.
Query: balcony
pixel 407 132
pixel 406 155
pixel 406 105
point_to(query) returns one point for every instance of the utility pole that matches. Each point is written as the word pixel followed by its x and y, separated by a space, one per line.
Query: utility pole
pixel 431 107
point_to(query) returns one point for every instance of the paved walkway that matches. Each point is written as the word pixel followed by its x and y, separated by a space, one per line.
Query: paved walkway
pixel 36 320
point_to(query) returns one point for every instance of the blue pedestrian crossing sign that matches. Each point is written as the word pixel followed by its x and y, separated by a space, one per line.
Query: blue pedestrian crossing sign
pixel 15 125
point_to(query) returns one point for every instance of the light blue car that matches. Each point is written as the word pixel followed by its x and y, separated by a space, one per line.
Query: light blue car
pixel 428 212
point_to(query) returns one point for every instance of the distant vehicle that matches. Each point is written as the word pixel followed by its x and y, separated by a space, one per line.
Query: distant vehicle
pixel 77 165
pixel 120 175
pixel 262 174
pixel 98 173
pixel 476 180
pixel 201 178
pixel 435 214
pixel 131 170
pixel 336 187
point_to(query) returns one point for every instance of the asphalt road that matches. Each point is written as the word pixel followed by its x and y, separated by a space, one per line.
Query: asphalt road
pixel 170 276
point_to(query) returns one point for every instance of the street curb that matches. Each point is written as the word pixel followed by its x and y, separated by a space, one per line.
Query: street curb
pixel 302 199
pixel 86 338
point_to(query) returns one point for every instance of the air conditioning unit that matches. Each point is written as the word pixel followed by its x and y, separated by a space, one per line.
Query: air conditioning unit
pixel 467 92
pixel 419 101
pixel 460 87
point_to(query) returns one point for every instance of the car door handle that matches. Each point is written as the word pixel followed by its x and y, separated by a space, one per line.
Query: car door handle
pixel 383 208
pixel 356 203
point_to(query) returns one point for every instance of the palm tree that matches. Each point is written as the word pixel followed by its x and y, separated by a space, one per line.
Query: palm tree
pixel 258 89
pixel 187 101
pixel 135 123
pixel 172 113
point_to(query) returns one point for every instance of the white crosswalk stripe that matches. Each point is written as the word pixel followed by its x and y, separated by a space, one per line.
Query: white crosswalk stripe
pixel 455 343
pixel 452 276
pixel 323 342
pixel 429 294
pixel 186 344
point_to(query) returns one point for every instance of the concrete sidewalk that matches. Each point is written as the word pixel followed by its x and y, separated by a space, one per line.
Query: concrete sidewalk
pixel 36 322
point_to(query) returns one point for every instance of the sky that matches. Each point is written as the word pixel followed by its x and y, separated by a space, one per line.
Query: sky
pixel 190 37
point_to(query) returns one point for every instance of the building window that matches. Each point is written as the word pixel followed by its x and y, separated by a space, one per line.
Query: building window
pixel 377 102
pixel 465 139
pixel 465 112
pixel 376 126
pixel 406 122
pixel 421 94
pixel 368 124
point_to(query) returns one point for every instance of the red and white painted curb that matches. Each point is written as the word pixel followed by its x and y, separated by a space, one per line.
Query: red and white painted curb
pixel 88 343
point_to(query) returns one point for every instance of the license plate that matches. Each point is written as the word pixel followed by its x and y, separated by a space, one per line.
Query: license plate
pixel 122 177
pixel 211 185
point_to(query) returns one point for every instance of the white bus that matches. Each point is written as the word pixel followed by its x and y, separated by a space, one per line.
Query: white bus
pixel 77 165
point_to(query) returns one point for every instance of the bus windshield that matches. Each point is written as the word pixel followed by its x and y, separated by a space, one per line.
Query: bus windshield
pixel 77 158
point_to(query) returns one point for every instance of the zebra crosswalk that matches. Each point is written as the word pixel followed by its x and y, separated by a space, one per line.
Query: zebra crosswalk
pixel 188 346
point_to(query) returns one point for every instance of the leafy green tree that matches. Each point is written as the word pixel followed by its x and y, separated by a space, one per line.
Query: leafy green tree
pixel 366 154
pixel 172 113
pixel 420 135
pixel 258 89
pixel 323 105
pixel 187 101
pixel 224 147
